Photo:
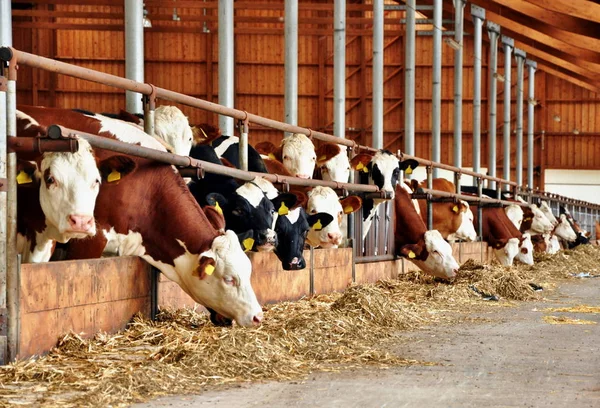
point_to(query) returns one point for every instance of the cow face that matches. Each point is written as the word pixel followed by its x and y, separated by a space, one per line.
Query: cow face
pixel 325 200
pixel 433 255
pixel 466 230
pixel 69 185
pixel 292 229
pixel 514 213
pixel 540 223
pixel 547 211
pixel 171 125
pixel 564 230
pixel 298 155
pixel 525 253
pixel 553 246
pixel 221 281
pixel 506 250
pixel 333 162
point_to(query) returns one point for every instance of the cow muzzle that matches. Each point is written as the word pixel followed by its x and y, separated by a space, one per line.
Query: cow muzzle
pixel 296 264
pixel 81 223
pixel 303 176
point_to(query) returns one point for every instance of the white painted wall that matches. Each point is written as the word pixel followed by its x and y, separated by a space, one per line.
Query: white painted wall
pixel 578 184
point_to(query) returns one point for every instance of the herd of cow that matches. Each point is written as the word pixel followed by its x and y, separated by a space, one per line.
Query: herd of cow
pixel 95 203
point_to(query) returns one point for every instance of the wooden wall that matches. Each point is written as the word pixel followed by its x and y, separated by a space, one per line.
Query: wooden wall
pixel 182 57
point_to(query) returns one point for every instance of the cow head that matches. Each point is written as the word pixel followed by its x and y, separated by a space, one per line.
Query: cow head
pixel 505 249
pixel 547 211
pixel 332 161
pixel 325 200
pixel 525 253
pixel 296 152
pixel 383 167
pixel 514 213
pixel 171 125
pixel 433 255
pixel 564 230
pixel 553 246
pixel 539 222
pixel 466 230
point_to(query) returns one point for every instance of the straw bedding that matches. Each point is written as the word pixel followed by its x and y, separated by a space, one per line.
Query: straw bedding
pixel 182 352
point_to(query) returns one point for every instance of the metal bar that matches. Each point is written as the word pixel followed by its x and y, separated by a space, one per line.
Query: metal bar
pixel 42 145
pixel 459 7
pixel 291 62
pixel 134 51
pixel 409 78
pixel 493 32
pixel 508 44
pixel 377 74
pixel 3 218
pixel 479 209
pixel 226 63
pixel 5 23
pixel 532 65
pixel 409 6
pixel 428 21
pixel 375 258
pixel 339 68
pixel 436 94
pixel 520 56
pixel 478 15
pixel 243 145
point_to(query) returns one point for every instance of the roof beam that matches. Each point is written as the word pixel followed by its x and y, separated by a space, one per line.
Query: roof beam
pixel 513 18
pixel 577 8
pixel 568 78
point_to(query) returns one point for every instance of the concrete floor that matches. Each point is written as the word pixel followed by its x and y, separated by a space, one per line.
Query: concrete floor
pixel 514 359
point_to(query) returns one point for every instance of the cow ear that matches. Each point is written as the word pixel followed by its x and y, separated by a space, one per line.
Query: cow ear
pixel 128 117
pixel 524 251
pixel 410 251
pixel 326 152
pixel 499 243
pixel 217 201
pixel 408 165
pixel 246 240
pixel 116 167
pixel 215 216
pixel 319 221
pixel 414 185
pixel 268 149
pixel 301 199
pixel 361 162
pixel 351 204
pixel 274 166
pixel 227 163
pixel 206 266
pixel 26 172
pixel 283 203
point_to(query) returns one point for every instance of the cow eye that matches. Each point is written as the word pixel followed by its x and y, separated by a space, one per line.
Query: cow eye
pixel 313 211
pixel 50 180
pixel 96 182
pixel 236 212
pixel 229 280
pixel 314 158
pixel 285 157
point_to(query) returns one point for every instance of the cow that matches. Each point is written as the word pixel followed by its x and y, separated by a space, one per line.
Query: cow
pixel 545 208
pixel 426 249
pixel 515 213
pixel 582 236
pixel 597 225
pixel 383 168
pixel 296 152
pixel 453 220
pixel 147 207
pixel 541 243
pixel 332 163
pixel 498 234
pixel 564 230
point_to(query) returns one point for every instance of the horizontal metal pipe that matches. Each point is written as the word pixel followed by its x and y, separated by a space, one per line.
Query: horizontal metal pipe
pixel 41 145
pixel 437 193
pixel 185 161
pixel 375 258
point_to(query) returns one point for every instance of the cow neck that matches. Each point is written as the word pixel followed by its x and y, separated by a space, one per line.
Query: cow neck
pixel 409 227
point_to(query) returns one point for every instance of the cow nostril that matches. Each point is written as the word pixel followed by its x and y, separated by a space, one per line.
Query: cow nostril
pixel 257 319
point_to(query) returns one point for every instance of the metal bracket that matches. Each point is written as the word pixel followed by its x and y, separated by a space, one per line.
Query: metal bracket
pixel 508 41
pixel 493 27
pixel 520 53
pixel 477 12
pixel 531 63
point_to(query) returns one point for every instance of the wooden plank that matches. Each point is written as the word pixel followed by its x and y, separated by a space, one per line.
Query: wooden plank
pixel 578 8
pixel 332 269
pixel 374 271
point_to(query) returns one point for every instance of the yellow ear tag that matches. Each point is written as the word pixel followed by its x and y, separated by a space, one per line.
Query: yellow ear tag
pixel 23 178
pixel 360 166
pixel 411 255
pixel 365 169
pixel 322 158
pixel 113 176
pixel 248 244
pixel 348 209
pixel 272 156
pixel 455 208
pixel 408 170
pixel 283 210
pixel 218 208
pixel 318 226
pixel 209 269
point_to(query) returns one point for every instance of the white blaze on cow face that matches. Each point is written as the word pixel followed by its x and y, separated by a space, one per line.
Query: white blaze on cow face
pixel 254 192
pixel 514 213
pixel 171 125
pixel 552 244
pixel 337 168
pixel 525 253
pixel 385 170
pixel 507 254
pixel 548 213
pixel 564 230
pixel 466 231
pixel 325 200
pixel 298 155
pixel 69 185
pixel 540 223
pixel 440 262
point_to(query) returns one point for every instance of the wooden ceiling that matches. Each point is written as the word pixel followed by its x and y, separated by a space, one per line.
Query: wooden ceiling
pixel 562 36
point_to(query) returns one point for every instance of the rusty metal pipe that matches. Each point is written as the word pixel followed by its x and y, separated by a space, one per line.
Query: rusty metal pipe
pixel 437 193
pixel 184 161
pixel 41 145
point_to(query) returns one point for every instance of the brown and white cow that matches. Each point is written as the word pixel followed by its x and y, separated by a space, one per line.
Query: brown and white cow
pixel 496 232
pixel 426 249
pixel 153 214
pixel 332 163
pixel 296 152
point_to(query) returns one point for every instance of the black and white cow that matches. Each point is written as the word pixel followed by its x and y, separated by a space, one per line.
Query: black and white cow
pixel 583 237
pixel 383 169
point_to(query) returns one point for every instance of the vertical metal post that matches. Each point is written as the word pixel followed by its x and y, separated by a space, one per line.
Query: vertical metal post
pixel 494 32
pixel 508 44
pixel 243 147
pixel 226 63
pixel 291 62
pixel 339 68
pixel 436 95
pixel 479 183
pixel 532 65
pixel 520 56
pixel 459 13
pixel 409 78
pixel 377 74
pixel 5 40
pixel 149 107
pixel 134 51
pixel 478 15
pixel 429 197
